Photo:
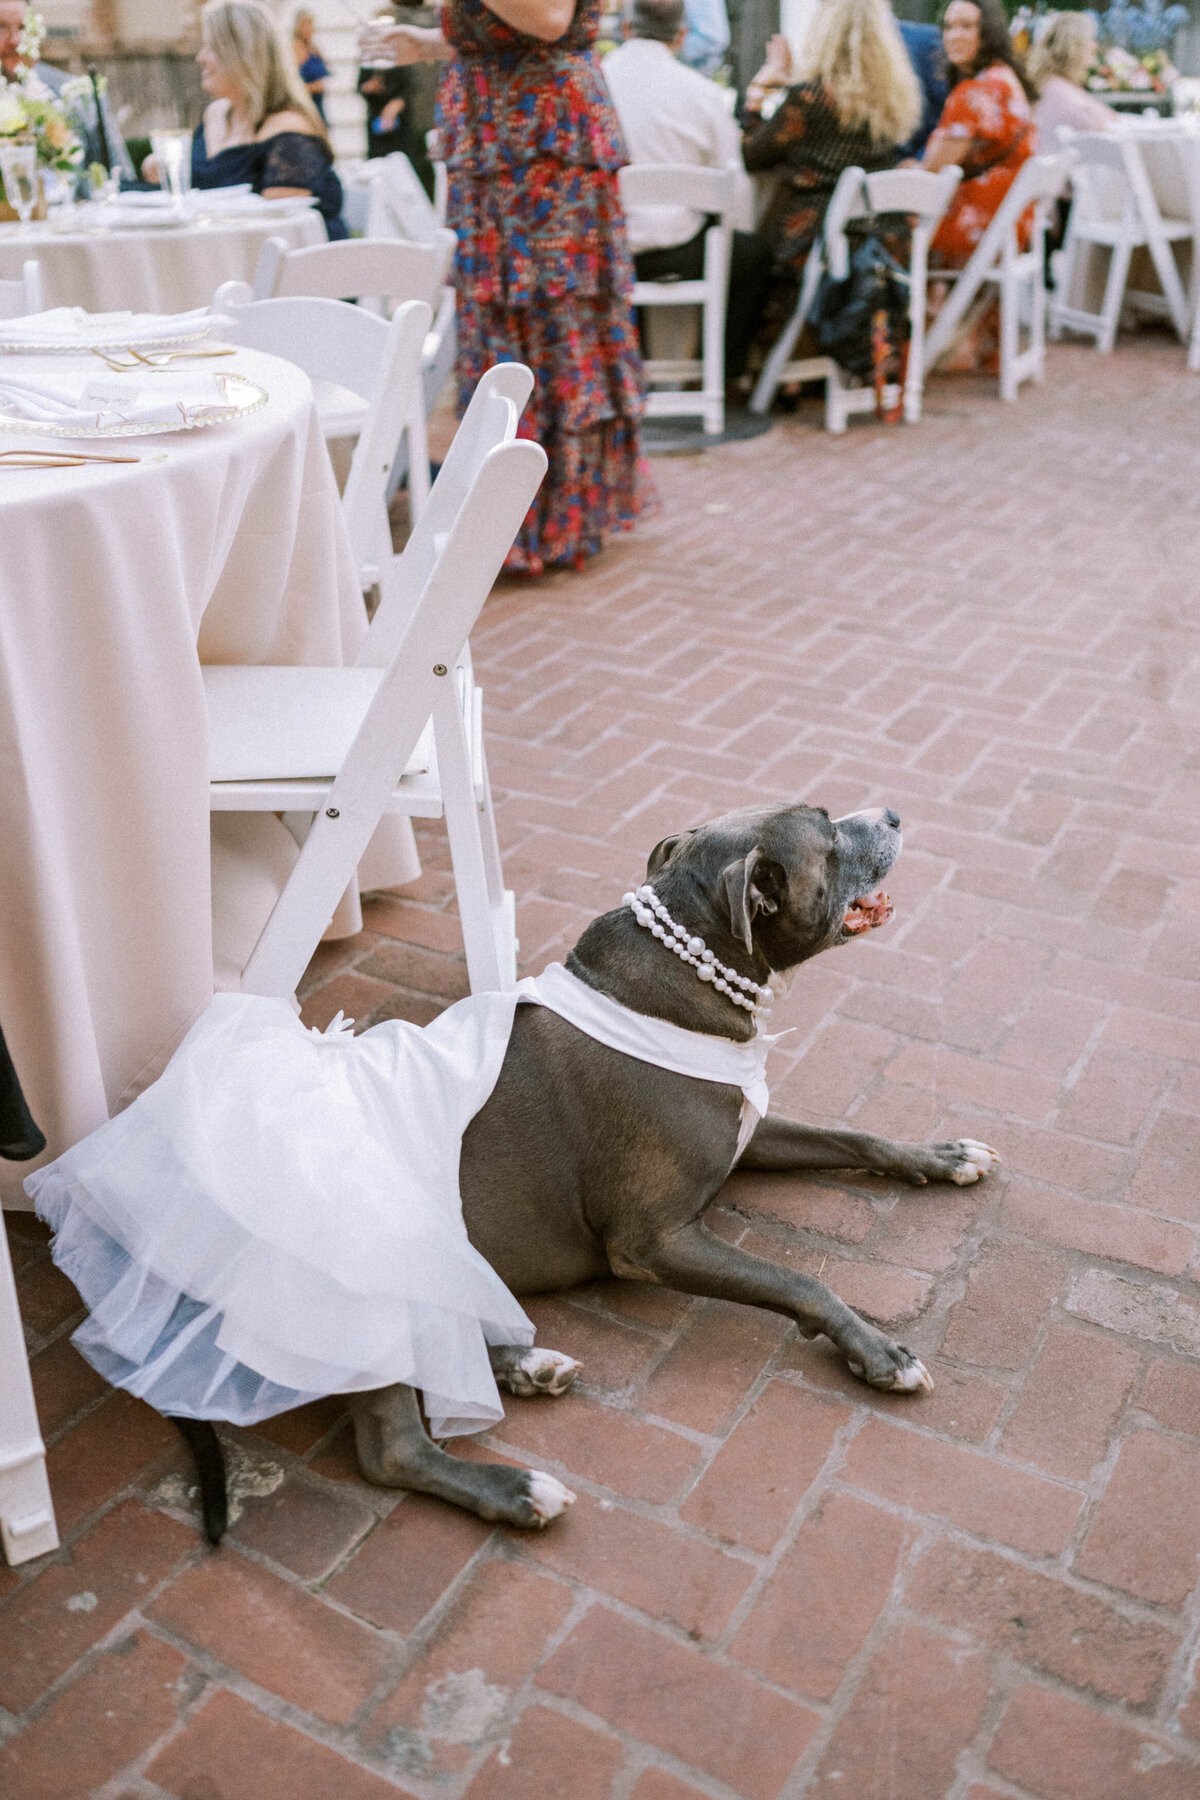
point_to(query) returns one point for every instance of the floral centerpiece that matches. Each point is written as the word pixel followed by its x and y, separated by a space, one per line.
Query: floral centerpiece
pixel 1135 53
pixel 1135 42
pixel 31 113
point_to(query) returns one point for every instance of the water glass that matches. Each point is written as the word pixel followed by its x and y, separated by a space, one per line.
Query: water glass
pixel 173 153
pixel 18 165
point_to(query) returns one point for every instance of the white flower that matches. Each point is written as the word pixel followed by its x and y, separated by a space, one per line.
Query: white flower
pixel 12 113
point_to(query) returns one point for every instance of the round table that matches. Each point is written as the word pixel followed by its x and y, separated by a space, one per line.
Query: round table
pixel 225 544
pixel 149 270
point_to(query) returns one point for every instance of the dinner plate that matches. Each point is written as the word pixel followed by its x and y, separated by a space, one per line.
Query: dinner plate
pixel 246 396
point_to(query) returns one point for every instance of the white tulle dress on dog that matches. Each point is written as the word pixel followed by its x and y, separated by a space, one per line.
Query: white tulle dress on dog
pixel 278 1217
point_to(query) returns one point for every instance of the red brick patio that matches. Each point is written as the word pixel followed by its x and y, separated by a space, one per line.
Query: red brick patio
pixel 774 1583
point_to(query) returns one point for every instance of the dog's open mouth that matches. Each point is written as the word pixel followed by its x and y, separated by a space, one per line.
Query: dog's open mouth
pixel 868 911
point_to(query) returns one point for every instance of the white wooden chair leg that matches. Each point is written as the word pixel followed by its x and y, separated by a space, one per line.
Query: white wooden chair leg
pixel 1010 333
pixel 780 354
pixel 486 969
pixel 1114 291
pixel 418 460
pixel 27 1527
pixel 914 382
pixel 835 401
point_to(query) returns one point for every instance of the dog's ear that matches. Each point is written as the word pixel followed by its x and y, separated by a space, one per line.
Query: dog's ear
pixel 752 885
pixel 664 851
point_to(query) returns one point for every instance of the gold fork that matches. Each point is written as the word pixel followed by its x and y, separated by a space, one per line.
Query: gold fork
pixel 157 359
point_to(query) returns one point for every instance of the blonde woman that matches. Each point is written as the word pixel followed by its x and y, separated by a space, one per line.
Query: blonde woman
pixel 856 100
pixel 1058 66
pixel 260 125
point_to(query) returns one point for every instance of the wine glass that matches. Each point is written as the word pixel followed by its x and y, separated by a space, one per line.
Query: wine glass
pixel 173 153
pixel 18 165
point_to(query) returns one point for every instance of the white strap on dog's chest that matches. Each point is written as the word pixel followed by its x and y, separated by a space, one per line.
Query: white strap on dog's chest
pixel 656 1041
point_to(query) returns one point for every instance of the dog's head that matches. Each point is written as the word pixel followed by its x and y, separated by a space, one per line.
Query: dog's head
pixel 784 881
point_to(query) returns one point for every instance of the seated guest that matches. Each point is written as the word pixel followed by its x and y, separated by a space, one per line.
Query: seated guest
pixel 924 46
pixel 1058 65
pixel 856 102
pixel 986 125
pixel 669 114
pixel 261 126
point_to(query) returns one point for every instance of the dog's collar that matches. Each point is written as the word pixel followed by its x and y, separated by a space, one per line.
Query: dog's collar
pixel 653 916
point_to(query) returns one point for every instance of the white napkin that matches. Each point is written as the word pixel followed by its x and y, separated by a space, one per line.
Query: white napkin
pixel 68 324
pixel 100 402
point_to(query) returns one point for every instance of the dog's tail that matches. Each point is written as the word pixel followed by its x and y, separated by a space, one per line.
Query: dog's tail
pixel 205 1446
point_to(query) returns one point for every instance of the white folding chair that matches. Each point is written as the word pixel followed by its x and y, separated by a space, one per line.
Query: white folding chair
pixel 381 274
pixel 24 295
pixel 1019 275
pixel 1114 209
pixel 376 361
pixel 924 197
pixel 709 191
pixel 27 1527
pixel 333 750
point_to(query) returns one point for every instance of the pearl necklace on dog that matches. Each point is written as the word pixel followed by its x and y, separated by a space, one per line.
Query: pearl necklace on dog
pixel 650 913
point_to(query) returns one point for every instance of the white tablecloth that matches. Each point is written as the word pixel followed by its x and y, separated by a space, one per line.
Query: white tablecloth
pixel 149 270
pixel 110 580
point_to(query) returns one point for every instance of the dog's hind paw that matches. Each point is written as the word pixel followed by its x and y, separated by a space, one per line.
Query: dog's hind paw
pixel 973 1160
pixel 538 1371
pixel 548 1497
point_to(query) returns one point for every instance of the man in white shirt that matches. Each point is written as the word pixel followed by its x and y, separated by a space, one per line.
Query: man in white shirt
pixel 670 114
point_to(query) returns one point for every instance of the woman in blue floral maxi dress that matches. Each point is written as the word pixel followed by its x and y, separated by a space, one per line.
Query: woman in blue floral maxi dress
pixel 542 271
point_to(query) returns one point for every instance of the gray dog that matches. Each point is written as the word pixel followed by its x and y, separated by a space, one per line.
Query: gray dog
pixel 586 1162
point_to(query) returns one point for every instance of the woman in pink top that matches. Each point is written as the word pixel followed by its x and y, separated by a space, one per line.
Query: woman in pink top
pixel 1058 65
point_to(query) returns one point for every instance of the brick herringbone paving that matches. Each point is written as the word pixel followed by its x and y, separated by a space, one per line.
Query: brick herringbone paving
pixel 774 1583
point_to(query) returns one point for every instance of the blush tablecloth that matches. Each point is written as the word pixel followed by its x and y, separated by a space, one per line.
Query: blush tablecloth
pixel 151 270
pixel 227 541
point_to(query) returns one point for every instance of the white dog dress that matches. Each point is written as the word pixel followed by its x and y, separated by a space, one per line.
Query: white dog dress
pixel 278 1217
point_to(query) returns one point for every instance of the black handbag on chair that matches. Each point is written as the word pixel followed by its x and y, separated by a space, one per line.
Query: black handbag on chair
pixel 862 322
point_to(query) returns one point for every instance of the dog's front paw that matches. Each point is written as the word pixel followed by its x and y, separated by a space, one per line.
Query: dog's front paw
pixel 893 1368
pixel 538 1371
pixel 961 1160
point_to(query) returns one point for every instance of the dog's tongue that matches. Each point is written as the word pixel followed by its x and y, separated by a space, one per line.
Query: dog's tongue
pixel 868 911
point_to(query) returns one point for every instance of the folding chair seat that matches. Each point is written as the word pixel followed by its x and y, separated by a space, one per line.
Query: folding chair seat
pixel 348 348
pixel 333 750
pixel 1020 276
pixel 1114 209
pixel 380 274
pixel 712 192
pixel 921 195
pixel 24 294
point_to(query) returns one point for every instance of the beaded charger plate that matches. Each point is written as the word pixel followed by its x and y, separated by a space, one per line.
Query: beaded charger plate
pixel 102 337
pixel 243 396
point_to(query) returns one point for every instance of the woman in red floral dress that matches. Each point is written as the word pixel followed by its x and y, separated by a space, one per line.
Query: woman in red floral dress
pixel 542 272
pixel 986 127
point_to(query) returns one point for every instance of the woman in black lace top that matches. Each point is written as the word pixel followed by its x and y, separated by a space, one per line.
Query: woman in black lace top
pixel 858 100
pixel 261 126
